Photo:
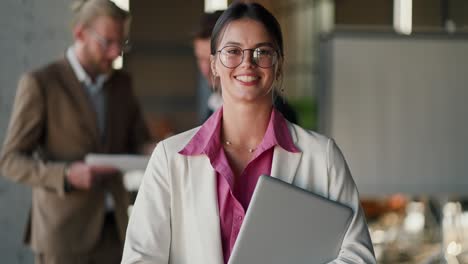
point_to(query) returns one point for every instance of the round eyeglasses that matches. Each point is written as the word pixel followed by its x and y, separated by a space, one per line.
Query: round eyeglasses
pixel 263 57
pixel 107 44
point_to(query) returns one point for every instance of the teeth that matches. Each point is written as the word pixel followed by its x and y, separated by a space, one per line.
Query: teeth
pixel 245 78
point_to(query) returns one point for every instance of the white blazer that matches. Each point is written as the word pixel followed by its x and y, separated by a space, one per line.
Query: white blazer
pixel 175 218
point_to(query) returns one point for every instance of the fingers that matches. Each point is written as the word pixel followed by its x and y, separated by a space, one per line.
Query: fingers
pixel 103 170
pixel 86 177
pixel 79 176
pixel 103 173
pixel 88 181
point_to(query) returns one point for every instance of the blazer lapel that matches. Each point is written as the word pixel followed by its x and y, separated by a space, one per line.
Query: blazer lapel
pixel 80 100
pixel 285 163
pixel 205 202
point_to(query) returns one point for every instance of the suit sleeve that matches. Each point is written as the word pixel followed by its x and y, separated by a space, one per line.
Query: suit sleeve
pixel 23 139
pixel 149 230
pixel 357 245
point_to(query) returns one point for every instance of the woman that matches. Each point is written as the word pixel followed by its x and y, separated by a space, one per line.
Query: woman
pixel 198 184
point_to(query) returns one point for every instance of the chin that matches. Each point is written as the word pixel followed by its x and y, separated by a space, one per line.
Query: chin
pixel 253 94
pixel 253 97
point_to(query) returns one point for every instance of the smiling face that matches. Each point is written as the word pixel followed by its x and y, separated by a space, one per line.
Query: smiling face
pixel 246 83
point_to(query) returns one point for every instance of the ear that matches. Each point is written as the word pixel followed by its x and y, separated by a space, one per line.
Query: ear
pixel 79 33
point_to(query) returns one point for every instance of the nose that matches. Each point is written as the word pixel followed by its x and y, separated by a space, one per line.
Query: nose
pixel 248 57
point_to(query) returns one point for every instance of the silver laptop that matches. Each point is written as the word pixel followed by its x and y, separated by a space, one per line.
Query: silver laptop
pixel 286 224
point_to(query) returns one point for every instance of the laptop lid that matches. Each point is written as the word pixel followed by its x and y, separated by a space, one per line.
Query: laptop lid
pixel 287 224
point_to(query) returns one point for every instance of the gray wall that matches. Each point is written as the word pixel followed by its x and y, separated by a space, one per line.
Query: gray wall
pixel 397 107
pixel 33 33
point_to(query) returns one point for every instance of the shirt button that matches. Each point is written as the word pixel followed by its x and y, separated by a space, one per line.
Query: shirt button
pixel 239 218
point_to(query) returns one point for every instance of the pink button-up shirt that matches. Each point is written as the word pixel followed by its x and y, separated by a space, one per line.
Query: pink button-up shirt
pixel 234 194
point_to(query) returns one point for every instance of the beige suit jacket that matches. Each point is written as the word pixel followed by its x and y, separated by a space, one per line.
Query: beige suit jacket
pixel 53 123
pixel 176 219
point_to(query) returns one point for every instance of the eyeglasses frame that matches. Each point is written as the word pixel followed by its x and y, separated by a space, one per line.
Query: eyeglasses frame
pixel 107 44
pixel 252 56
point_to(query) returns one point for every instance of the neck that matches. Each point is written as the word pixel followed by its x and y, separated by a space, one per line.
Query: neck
pixel 245 125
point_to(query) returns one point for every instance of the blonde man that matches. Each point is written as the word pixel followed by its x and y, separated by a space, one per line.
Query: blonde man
pixel 63 111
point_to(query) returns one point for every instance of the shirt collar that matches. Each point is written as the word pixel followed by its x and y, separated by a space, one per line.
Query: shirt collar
pixel 207 136
pixel 277 133
pixel 81 74
pixel 281 131
pixel 207 139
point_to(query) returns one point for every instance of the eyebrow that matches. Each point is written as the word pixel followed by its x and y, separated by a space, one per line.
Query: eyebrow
pixel 257 45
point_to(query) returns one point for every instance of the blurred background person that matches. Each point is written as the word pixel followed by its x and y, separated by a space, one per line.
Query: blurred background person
pixel 71 107
pixel 210 99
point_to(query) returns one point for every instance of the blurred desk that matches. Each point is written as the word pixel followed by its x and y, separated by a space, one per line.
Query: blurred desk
pixel 412 236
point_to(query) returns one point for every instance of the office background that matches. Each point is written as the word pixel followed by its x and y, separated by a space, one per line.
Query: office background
pixel 165 75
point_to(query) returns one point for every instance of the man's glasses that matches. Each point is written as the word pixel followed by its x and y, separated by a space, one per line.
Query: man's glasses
pixel 263 57
pixel 106 44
